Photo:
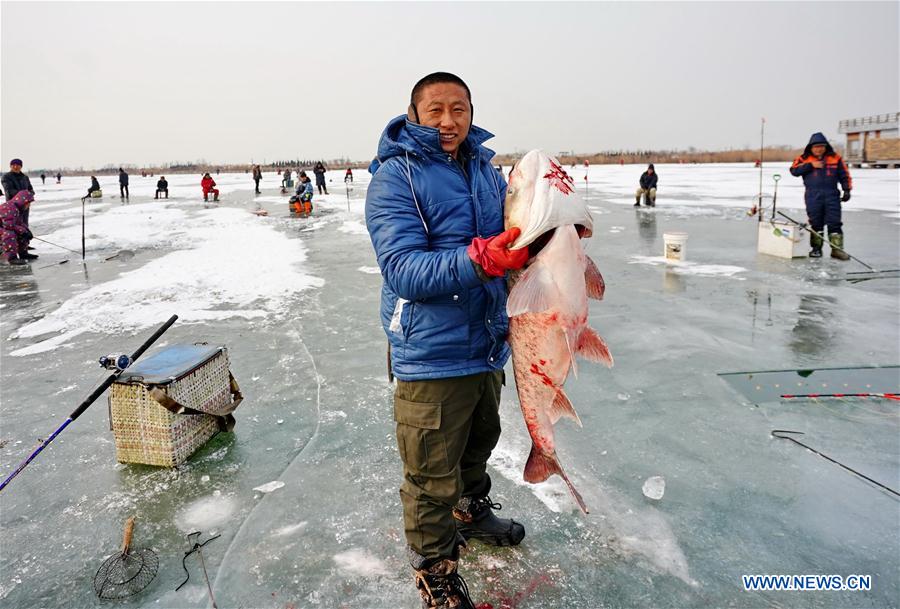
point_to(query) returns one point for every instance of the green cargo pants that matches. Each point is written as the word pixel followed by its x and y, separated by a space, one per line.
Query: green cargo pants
pixel 446 430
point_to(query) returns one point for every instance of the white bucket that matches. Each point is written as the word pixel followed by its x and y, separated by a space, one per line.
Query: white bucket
pixel 676 246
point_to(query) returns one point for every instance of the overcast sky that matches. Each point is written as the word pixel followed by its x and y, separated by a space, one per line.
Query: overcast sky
pixel 146 82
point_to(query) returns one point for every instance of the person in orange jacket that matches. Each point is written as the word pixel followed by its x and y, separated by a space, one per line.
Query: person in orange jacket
pixel 209 186
pixel 822 170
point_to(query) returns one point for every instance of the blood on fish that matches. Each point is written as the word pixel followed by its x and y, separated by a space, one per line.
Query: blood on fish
pixel 544 378
pixel 560 179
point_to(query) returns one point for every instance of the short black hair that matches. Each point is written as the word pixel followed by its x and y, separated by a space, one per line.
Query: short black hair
pixel 437 78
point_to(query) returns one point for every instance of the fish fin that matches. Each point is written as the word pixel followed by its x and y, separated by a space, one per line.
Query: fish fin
pixel 562 408
pixel 593 280
pixel 530 294
pixel 593 348
pixel 572 346
pixel 541 466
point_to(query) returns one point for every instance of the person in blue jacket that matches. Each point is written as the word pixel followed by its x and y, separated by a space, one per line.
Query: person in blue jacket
pixel 434 211
pixel 822 170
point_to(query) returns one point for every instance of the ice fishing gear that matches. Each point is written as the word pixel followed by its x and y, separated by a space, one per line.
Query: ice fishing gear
pixel 114 362
pixel 121 254
pixel 47 266
pixel 780 433
pixel 768 386
pixel 128 571
pixel 55 245
pixel 775 177
pixel 833 244
pixel 89 400
pixel 816 396
pixel 195 547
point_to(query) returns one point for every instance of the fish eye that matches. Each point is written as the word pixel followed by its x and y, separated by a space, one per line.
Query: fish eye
pixel 510 191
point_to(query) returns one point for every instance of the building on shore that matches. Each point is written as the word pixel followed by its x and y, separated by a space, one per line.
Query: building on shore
pixel 872 140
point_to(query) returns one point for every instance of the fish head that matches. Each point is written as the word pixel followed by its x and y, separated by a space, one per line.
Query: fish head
pixel 540 197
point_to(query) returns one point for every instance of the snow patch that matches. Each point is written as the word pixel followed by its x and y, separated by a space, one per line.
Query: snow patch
pixel 289 529
pixel 206 513
pixel 372 270
pixel 268 487
pixel 216 279
pixel 353 227
pixel 360 562
pixel 689 268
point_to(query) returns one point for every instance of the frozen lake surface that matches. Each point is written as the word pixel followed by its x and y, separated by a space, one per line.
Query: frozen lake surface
pixel 304 492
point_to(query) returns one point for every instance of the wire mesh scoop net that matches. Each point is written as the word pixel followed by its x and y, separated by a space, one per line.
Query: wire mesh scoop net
pixel 126 572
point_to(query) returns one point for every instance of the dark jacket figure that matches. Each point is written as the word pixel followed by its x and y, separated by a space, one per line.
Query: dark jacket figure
pixel 123 184
pixel 257 176
pixel 822 170
pixel 647 188
pixel 95 185
pixel 58 178
pixel 43 178
pixel 14 233
pixel 209 186
pixel 320 170
pixel 162 186
pixel 15 182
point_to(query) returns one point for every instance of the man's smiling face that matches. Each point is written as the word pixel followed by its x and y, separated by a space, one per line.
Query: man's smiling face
pixel 446 107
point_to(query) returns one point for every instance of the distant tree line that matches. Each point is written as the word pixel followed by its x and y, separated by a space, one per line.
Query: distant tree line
pixel 691 155
pixel 609 157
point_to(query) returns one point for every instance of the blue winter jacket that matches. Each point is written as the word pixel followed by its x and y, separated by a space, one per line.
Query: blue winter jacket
pixel 822 184
pixel 422 211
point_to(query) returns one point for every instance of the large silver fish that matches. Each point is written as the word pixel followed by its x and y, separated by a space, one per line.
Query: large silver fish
pixel 548 304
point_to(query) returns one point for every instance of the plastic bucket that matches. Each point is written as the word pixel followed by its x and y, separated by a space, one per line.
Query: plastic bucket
pixel 675 246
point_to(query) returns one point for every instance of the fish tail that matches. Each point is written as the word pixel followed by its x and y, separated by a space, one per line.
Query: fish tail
pixel 541 466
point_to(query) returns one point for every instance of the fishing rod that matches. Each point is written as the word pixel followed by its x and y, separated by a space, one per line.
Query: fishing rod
pixel 804 226
pixel 54 244
pixel 93 397
pixel 887 396
pixel 779 433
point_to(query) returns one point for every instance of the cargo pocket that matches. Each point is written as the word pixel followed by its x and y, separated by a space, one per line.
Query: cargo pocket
pixel 422 446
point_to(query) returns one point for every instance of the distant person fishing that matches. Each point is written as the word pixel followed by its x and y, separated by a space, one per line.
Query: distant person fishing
pixel 14 232
pixel 320 170
pixel 257 176
pixel 209 186
pixel 822 169
pixel 123 185
pixel 162 187
pixel 647 188
pixel 14 182
pixel 95 187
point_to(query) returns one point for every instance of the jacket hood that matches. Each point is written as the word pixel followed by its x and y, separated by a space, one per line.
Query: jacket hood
pixel 650 166
pixel 818 138
pixel 402 136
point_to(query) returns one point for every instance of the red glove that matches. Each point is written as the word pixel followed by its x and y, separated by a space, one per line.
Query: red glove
pixel 493 254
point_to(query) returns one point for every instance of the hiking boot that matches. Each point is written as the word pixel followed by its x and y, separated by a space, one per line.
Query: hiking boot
pixel 17 262
pixel 27 256
pixel 637 204
pixel 837 241
pixel 816 244
pixel 441 587
pixel 475 519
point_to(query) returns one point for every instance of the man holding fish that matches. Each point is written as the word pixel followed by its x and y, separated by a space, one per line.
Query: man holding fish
pixel 434 211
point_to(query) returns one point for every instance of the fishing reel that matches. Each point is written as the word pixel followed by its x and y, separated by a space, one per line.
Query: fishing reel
pixel 115 362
